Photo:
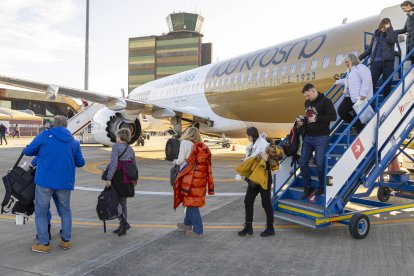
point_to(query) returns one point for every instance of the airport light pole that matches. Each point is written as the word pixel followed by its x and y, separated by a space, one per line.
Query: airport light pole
pixel 87 47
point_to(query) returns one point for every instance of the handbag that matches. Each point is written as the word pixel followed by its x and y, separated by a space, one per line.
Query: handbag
pixel 367 114
pixel 18 183
pixel 173 174
pixel 105 171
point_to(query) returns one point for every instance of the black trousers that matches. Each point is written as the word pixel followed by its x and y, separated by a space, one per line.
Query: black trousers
pixel 344 111
pixel 252 191
pixel 384 68
pixel 1 139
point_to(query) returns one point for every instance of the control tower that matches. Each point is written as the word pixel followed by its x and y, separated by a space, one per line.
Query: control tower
pixel 181 49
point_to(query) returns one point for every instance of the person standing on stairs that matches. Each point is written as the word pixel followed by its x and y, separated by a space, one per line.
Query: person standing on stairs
pixel 382 53
pixel 319 112
pixel 357 86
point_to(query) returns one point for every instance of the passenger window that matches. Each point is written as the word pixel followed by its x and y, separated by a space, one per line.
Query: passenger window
pixel 303 66
pixel 242 78
pixel 217 82
pixel 292 68
pixel 267 73
pixel 236 78
pixel 339 59
pixel 223 80
pixel 274 71
pixel 229 80
pixel 249 78
pixel 258 75
pixel 325 62
pixel 314 64
pixel 283 70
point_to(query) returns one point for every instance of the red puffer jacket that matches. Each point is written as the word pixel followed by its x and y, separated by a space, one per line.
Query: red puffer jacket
pixel 190 184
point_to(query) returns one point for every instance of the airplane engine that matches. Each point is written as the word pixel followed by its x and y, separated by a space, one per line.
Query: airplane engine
pixel 107 122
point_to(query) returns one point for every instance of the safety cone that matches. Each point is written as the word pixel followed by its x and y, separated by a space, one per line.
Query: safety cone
pixel 394 166
pixel 233 148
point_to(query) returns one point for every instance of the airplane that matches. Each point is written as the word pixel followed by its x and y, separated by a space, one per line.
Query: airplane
pixel 261 88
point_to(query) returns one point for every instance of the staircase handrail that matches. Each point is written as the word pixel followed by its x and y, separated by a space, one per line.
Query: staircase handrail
pixel 375 97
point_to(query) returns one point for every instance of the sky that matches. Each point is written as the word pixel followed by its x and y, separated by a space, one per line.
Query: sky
pixel 44 40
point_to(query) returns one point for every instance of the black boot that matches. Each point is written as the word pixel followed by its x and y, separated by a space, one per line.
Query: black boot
pixel 247 230
pixel 307 192
pixel 127 227
pixel 269 231
pixel 122 226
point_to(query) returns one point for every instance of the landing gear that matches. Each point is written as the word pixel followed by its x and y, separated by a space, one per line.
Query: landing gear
pixel 383 194
pixel 359 226
pixel 225 145
pixel 140 141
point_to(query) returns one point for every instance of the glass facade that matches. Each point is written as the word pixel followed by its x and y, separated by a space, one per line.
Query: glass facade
pixel 155 57
pixel 141 61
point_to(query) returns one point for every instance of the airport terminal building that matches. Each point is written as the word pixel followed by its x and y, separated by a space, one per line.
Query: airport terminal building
pixel 154 57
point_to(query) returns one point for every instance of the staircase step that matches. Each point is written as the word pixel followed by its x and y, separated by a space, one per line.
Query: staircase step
pixel 315 178
pixel 295 219
pixel 302 205
pixel 297 189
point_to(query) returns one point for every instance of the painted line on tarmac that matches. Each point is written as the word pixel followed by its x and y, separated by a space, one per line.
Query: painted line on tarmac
pixel 93 168
pixel 206 227
pixel 80 188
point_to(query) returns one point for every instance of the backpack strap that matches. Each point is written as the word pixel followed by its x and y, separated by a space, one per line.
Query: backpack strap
pixel 119 157
pixel 18 160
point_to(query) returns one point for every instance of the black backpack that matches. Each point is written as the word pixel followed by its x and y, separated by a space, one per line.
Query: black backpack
pixel 19 184
pixel 107 207
pixel 292 142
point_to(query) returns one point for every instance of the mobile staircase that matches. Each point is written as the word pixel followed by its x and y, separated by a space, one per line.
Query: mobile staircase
pixel 351 161
pixel 83 118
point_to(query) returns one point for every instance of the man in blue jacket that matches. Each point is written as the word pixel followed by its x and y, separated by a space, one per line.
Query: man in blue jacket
pixel 58 156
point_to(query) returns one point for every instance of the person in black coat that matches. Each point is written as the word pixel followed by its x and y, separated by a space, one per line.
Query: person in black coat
pixel 382 53
pixel 408 29
pixel 2 134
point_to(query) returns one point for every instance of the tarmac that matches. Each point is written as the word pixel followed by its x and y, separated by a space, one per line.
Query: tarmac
pixel 153 245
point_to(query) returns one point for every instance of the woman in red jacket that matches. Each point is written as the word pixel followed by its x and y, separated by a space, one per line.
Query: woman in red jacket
pixel 195 174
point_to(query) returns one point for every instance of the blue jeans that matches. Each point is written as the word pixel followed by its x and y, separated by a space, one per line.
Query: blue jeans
pixel 193 217
pixel 320 145
pixel 42 204
pixel 49 214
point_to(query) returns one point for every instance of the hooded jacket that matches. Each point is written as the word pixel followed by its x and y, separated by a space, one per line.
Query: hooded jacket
pixel 325 112
pixel 58 153
pixel 190 184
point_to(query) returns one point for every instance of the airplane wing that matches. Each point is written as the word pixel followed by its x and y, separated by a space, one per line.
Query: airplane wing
pixel 112 102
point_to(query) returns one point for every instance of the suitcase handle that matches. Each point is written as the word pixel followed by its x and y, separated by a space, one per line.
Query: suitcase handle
pixel 18 160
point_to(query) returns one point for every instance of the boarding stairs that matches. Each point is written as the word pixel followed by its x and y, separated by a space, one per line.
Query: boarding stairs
pixel 352 160
pixel 83 118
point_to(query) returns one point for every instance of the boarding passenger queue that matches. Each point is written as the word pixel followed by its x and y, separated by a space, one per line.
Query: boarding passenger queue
pixel 57 153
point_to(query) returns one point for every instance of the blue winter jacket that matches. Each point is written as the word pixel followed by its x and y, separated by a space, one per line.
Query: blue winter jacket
pixel 58 153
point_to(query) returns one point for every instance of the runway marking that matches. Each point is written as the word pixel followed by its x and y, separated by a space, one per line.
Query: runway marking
pixel 97 224
pixel 80 188
pixel 93 169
